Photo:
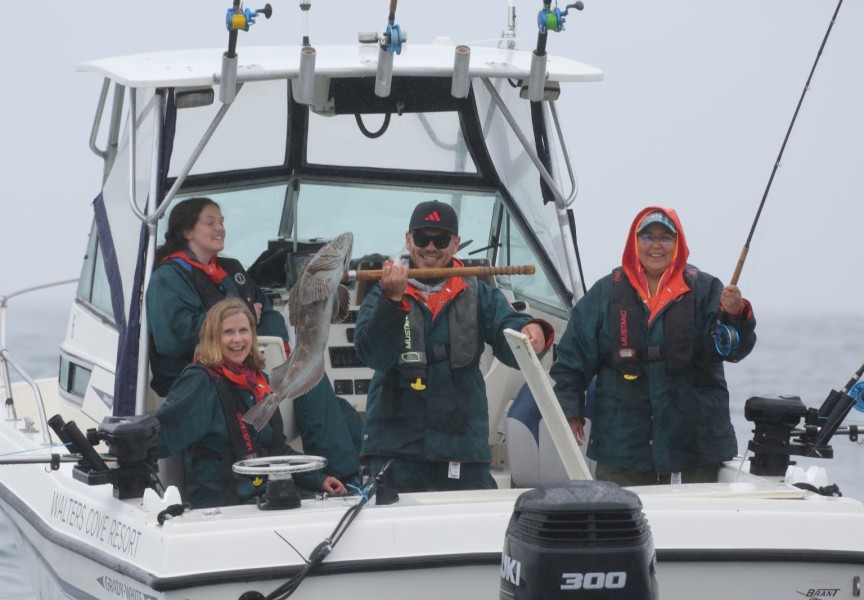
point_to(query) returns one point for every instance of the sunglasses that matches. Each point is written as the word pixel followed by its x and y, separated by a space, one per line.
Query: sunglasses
pixel 421 240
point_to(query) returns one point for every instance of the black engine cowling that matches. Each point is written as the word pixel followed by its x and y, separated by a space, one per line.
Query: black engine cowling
pixel 578 539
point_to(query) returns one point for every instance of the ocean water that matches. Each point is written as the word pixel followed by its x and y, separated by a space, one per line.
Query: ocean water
pixel 802 355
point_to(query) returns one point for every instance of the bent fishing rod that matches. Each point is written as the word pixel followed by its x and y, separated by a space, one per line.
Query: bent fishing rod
pixel 746 247
pixel 726 336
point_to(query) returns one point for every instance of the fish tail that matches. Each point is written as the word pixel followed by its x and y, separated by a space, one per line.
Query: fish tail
pixel 259 415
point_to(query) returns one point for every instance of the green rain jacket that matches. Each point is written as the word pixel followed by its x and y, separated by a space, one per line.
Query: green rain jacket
pixel 175 313
pixel 660 421
pixel 449 420
pixel 193 422
pixel 329 426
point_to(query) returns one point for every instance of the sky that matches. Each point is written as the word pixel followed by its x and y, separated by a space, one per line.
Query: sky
pixel 697 99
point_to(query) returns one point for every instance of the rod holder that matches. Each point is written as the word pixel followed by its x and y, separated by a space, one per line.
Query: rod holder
pixel 461 81
pixel 537 77
pixel 304 92
pixel 384 74
pixel 228 81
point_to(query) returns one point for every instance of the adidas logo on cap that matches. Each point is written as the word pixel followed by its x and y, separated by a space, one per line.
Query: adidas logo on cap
pixel 434 214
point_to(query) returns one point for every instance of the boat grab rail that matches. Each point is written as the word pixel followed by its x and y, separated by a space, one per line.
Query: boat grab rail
pixel 562 204
pixel 94 130
pixel 6 360
pixel 531 152
pixel 181 176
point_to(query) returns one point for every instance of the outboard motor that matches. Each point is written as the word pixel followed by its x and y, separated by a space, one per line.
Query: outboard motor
pixel 578 539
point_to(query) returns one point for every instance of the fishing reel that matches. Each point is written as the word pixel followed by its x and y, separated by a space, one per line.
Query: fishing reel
pixel 726 340
pixel 548 19
pixel 236 18
pixel 857 394
pixel 553 19
pixel 391 41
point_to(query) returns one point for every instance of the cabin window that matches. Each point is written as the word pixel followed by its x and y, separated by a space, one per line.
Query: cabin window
pixel 251 135
pixel 536 289
pixel 73 378
pixel 378 216
pixel 251 219
pixel 93 287
pixel 435 140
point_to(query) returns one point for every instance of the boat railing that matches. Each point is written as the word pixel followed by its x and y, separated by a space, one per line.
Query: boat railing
pixel 561 203
pixel 6 360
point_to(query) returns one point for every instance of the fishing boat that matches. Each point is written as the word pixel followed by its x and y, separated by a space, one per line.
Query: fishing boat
pixel 298 145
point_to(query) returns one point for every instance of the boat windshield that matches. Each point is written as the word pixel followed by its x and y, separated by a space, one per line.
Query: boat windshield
pixel 259 218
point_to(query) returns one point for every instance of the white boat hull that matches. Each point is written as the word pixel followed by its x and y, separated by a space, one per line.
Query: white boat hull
pixel 750 539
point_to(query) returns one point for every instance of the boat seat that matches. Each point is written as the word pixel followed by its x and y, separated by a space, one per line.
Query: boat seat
pixel 534 460
pixel 272 349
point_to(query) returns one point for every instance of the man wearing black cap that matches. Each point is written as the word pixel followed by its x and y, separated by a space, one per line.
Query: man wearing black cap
pixel 426 410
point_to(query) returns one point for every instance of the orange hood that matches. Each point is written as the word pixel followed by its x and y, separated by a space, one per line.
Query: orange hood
pixel 672 283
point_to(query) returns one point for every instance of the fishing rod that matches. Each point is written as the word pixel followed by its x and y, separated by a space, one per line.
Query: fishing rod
pixel 375 274
pixel 322 550
pixel 53 460
pixel 835 408
pixel 389 43
pixel 726 336
pixel 746 247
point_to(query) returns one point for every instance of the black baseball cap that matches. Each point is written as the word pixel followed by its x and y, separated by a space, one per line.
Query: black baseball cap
pixel 434 214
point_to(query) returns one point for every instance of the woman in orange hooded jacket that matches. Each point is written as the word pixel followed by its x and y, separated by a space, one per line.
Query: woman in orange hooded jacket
pixel 647 332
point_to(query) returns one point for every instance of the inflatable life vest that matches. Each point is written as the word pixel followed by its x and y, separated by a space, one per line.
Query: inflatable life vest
pixel 211 293
pixel 242 441
pixel 462 351
pixel 625 320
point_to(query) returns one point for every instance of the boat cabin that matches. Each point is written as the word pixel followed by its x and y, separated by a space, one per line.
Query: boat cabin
pixel 291 172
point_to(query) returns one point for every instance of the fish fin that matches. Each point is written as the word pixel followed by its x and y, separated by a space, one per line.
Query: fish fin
pixel 340 307
pixel 277 374
pixel 316 287
pixel 326 263
pixel 259 415
pixel 298 386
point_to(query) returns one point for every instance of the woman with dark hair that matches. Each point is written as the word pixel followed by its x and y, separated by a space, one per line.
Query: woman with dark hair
pixel 201 416
pixel 188 279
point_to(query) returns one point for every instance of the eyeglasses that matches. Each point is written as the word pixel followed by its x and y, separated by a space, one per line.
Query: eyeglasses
pixel 421 240
pixel 667 240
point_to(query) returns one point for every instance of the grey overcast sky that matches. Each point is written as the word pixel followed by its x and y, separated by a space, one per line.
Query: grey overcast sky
pixel 697 99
